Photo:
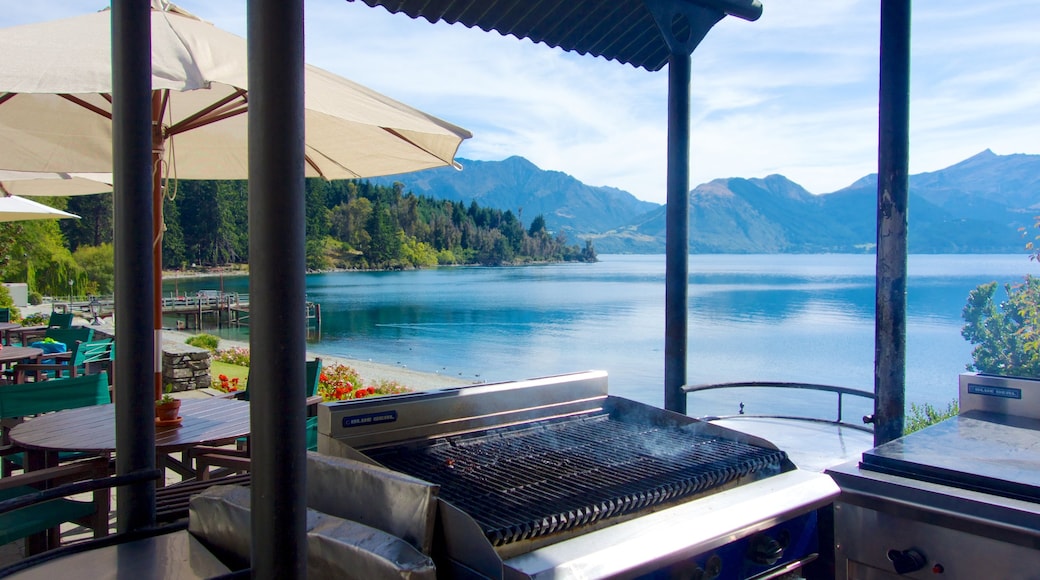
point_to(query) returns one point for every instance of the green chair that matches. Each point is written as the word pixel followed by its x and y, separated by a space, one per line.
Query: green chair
pixel 43 511
pixel 313 378
pixel 83 358
pixel 19 401
pixel 5 315
pixel 237 460
pixel 68 363
pixel 58 320
pixel 313 374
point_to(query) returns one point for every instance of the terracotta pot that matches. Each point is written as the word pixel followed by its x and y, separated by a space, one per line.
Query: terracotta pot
pixel 168 411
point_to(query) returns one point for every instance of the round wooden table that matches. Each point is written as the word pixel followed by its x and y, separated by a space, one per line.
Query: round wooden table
pixel 13 354
pixel 93 429
pixel 4 328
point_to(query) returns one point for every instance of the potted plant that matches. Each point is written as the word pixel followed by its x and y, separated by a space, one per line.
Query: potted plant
pixel 167 408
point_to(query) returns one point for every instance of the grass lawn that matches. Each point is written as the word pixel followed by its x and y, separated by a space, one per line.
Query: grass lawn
pixel 232 371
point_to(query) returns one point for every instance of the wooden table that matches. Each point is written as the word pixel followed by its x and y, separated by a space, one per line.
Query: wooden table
pixel 14 354
pixel 5 328
pixel 21 331
pixel 93 430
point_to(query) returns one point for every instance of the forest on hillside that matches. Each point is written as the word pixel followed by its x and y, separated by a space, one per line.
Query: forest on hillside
pixel 350 225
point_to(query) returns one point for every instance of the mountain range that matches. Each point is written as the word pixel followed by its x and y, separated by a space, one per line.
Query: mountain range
pixel 975 206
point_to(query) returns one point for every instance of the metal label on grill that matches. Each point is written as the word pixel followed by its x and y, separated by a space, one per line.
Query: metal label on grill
pixel 994 391
pixel 370 419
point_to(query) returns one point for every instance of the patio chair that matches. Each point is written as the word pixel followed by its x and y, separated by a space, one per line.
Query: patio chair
pixel 19 401
pixel 58 320
pixel 45 510
pixel 237 460
pixel 5 315
pixel 40 501
pixel 82 358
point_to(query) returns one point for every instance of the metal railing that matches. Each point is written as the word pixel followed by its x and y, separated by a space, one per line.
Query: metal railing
pixel 841 392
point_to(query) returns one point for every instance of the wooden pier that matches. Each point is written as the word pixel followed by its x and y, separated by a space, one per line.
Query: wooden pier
pixel 219 308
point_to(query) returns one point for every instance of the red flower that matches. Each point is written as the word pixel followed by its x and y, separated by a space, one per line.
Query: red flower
pixel 371 390
pixel 359 394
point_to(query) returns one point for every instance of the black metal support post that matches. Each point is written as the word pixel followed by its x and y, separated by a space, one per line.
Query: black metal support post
pixel 677 228
pixel 893 191
pixel 683 26
pixel 278 328
pixel 135 338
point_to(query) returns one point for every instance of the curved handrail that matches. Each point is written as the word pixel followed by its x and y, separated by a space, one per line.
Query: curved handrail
pixel 840 391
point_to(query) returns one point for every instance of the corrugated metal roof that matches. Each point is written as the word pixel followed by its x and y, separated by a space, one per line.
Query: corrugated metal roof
pixel 621 30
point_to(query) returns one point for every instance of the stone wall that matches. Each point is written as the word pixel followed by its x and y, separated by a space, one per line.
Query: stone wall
pixel 185 367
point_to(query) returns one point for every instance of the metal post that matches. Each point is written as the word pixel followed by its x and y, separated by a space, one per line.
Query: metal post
pixel 132 172
pixel 677 227
pixel 683 26
pixel 277 291
pixel 893 190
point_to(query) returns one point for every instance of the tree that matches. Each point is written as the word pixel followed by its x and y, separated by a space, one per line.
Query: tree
pixel 1006 337
pixel 36 254
pixel 98 263
pixel 95 224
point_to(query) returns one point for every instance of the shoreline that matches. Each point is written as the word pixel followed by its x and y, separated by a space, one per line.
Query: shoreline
pixel 370 371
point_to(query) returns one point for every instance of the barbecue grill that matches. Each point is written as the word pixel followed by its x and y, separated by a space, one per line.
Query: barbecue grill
pixel 552 477
pixel 959 499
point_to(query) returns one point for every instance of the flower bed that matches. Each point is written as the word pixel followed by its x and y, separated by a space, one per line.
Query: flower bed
pixel 340 382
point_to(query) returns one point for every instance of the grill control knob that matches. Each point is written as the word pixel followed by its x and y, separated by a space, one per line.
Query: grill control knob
pixel 906 561
pixel 764 550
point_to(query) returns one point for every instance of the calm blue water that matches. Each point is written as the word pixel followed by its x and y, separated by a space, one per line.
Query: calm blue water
pixel 803 318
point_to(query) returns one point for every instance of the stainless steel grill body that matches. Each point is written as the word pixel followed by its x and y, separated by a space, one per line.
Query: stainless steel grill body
pixel 959 498
pixel 534 467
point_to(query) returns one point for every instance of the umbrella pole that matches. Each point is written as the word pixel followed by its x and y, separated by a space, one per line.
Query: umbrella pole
pixel 131 114
pixel 158 148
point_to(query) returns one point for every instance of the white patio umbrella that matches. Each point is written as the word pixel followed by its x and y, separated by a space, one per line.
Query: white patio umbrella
pixel 55 110
pixel 31 183
pixel 55 105
pixel 14 208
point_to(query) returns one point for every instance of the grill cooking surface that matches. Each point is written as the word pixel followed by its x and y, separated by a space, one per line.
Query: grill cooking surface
pixel 552 475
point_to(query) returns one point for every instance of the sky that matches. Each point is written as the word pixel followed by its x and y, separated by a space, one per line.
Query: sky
pixel 794 93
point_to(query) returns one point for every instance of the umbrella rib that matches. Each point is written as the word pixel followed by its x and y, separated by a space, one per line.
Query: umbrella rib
pixel 314 166
pixel 416 145
pixel 201 118
pixel 87 106
pixel 184 126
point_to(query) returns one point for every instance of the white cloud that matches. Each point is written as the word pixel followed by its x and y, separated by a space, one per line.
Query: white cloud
pixel 793 93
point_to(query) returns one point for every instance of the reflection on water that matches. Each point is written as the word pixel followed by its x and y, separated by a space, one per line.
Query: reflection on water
pixel 806 318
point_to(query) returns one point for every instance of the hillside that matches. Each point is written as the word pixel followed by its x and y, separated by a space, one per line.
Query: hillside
pixel 517 184
pixel 975 206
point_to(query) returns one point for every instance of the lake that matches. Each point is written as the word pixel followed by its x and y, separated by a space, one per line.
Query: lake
pixel 805 318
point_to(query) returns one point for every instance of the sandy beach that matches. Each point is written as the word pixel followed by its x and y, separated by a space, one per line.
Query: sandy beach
pixel 369 371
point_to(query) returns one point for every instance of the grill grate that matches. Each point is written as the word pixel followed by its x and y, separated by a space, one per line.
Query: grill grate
pixel 554 475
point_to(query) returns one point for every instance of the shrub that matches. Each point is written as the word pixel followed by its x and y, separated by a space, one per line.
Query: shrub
pixel 38 319
pixel 921 416
pixel 35 298
pixel 206 341
pixel 1006 335
pixel 7 302
pixel 341 382
pixel 236 355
